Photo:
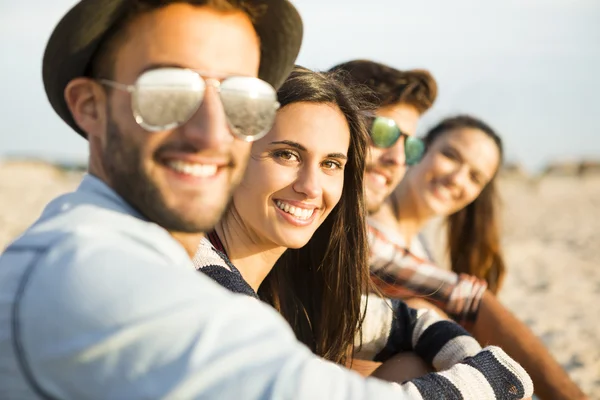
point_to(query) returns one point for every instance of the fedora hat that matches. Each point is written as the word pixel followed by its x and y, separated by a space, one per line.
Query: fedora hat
pixel 77 36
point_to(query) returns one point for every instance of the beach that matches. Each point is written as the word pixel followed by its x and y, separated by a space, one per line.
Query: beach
pixel 552 244
pixel 551 238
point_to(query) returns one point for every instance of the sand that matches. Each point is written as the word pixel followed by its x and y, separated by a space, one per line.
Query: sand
pixel 552 244
pixel 551 241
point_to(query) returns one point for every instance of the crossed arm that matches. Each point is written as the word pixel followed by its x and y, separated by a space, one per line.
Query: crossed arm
pixel 398 274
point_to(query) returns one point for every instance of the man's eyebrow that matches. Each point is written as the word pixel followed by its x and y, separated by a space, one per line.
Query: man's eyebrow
pixel 202 73
pixel 161 65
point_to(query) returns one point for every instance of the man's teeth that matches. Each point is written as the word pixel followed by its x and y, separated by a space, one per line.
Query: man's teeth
pixel 197 170
pixel 300 213
pixel 380 179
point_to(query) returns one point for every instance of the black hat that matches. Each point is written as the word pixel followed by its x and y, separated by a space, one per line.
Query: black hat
pixel 76 38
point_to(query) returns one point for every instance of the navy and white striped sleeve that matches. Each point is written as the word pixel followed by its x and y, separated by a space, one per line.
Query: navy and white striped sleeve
pixel 439 342
pixel 466 371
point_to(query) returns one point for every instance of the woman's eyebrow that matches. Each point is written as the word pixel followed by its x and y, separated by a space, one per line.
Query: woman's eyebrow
pixel 298 146
pixel 455 151
pixel 295 145
pixel 337 155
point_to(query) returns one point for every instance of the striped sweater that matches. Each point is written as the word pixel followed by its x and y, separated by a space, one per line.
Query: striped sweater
pixel 465 370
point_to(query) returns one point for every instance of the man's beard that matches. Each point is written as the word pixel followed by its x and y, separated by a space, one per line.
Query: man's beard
pixel 373 200
pixel 372 207
pixel 122 161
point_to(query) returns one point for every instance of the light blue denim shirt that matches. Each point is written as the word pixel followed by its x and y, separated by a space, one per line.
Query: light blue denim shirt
pixel 98 303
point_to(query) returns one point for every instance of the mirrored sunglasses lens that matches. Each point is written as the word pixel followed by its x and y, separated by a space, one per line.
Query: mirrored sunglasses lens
pixel 414 148
pixel 250 106
pixel 384 132
pixel 167 97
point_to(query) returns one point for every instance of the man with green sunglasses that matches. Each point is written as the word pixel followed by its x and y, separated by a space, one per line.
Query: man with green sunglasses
pixel 401 100
pixel 386 133
pixel 401 97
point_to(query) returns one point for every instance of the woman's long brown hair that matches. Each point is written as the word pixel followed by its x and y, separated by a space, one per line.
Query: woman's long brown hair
pixel 473 232
pixel 318 287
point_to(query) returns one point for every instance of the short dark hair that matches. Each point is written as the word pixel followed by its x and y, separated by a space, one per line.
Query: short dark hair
pixel 391 86
pixel 102 63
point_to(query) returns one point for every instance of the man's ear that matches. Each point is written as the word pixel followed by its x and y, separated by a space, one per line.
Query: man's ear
pixel 87 103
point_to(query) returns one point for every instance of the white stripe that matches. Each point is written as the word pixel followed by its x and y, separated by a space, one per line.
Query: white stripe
pixel 455 351
pixel 206 255
pixel 410 391
pixel 470 382
pixel 514 367
pixel 376 327
pixel 425 318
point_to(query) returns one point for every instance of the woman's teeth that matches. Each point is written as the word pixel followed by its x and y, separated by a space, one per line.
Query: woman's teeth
pixel 442 192
pixel 197 170
pixel 300 213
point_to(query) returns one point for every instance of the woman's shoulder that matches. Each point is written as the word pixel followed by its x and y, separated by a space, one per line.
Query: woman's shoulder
pixel 207 255
pixel 217 266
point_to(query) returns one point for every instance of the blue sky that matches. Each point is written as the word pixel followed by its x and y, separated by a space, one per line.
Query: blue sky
pixel 528 67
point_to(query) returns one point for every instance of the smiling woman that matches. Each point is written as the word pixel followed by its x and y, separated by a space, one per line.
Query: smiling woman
pixel 456 180
pixel 465 155
pixel 297 175
pixel 295 232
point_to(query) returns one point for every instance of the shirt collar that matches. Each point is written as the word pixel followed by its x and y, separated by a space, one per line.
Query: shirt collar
pixel 93 185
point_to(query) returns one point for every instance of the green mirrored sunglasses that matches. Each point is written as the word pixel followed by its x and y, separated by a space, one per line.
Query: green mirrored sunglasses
pixel 385 133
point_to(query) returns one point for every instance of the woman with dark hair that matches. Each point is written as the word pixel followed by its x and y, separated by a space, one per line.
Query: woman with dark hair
pixel 476 224
pixel 295 237
pixel 456 179
pixel 295 229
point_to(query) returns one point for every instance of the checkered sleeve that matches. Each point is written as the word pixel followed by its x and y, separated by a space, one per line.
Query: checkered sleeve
pixel 398 273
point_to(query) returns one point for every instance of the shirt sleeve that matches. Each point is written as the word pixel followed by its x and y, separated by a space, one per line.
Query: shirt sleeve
pixel 439 342
pixel 443 344
pixel 103 321
pixel 399 274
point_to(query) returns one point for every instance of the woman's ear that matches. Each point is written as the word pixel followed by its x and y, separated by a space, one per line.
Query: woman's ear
pixel 86 101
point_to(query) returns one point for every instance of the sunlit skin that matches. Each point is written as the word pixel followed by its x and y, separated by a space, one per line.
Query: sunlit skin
pixel 454 171
pixel 141 166
pixel 299 164
pixel 386 167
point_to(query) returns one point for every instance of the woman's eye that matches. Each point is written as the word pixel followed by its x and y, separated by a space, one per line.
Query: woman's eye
pixel 476 179
pixel 286 155
pixel 332 165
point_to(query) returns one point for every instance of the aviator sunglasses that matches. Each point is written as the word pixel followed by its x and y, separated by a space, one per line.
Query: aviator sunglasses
pixel 385 133
pixel 166 98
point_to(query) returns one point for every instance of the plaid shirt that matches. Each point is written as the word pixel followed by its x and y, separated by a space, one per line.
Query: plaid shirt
pixel 398 273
